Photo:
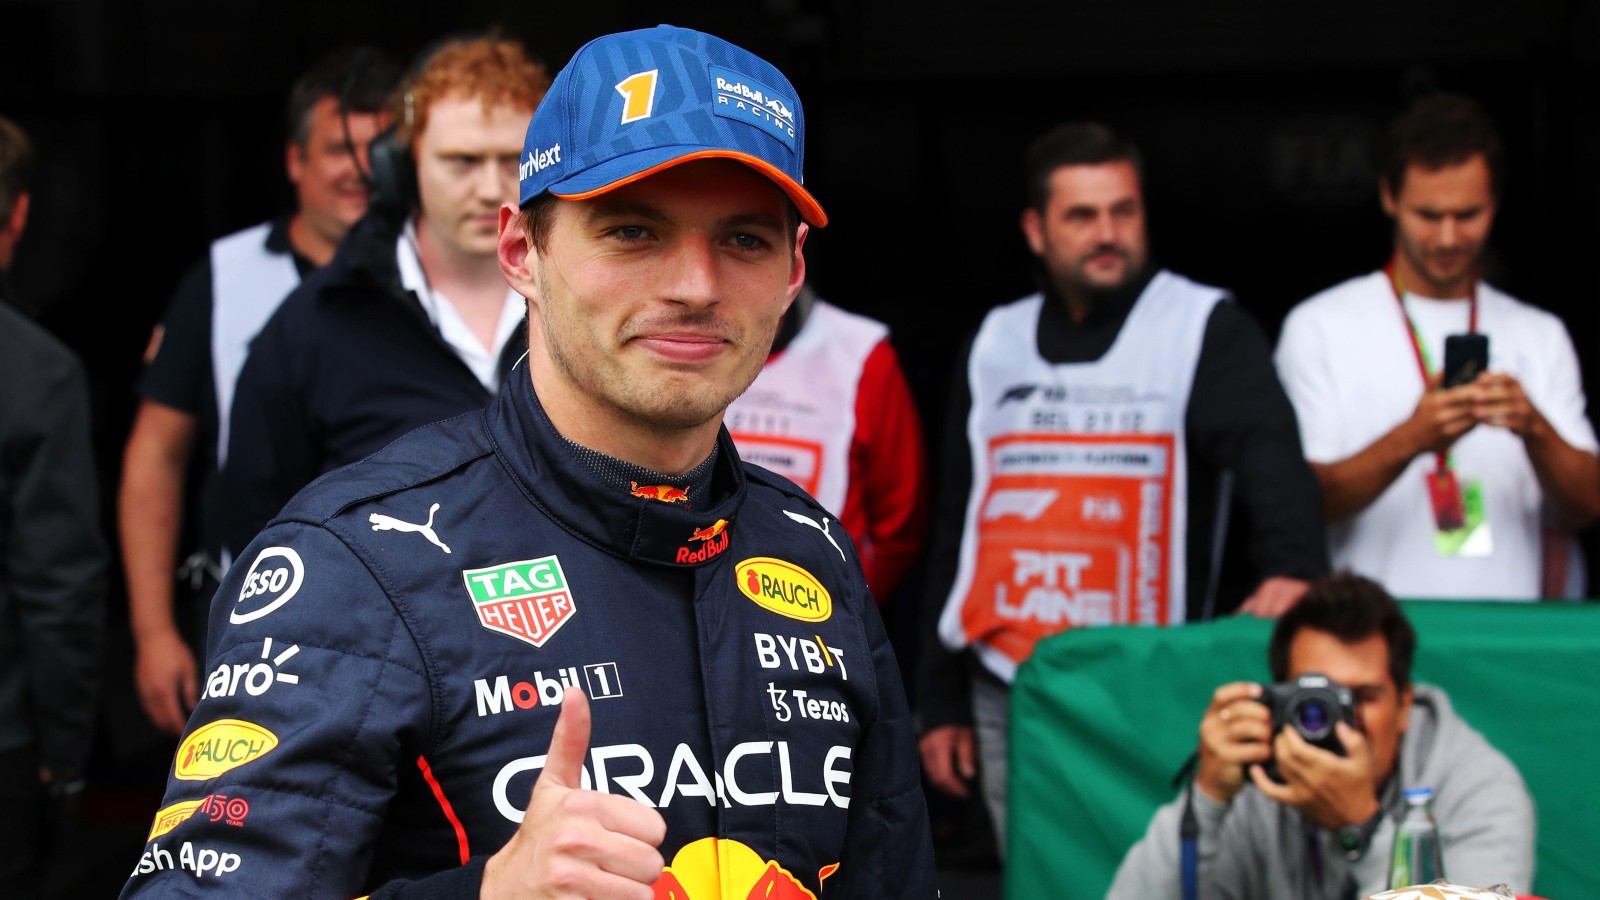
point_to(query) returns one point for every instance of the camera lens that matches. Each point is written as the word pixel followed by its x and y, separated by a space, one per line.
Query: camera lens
pixel 1313 717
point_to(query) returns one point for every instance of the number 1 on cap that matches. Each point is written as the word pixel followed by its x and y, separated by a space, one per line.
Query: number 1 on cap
pixel 638 95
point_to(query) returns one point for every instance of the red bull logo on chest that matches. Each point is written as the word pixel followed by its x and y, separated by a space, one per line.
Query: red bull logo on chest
pixel 528 599
pixel 725 869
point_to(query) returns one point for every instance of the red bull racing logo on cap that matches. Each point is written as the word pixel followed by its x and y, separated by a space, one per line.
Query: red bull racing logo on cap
pixel 784 588
pixel 724 869
pixel 528 599
pixel 747 100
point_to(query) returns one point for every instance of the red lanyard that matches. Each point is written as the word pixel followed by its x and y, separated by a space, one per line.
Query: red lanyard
pixel 1399 287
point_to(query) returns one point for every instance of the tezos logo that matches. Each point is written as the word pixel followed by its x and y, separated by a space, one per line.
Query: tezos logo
pixel 784 588
pixel 221 746
pixel 809 707
pixel 256 679
pixel 528 600
pixel 273 580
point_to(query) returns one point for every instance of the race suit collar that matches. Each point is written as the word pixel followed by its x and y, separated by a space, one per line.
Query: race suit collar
pixel 644 529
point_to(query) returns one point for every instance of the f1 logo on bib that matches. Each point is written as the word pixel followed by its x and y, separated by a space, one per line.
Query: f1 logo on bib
pixel 273 580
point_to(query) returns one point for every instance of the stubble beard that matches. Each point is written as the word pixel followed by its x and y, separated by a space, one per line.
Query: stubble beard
pixel 1075 284
pixel 661 404
pixel 1443 283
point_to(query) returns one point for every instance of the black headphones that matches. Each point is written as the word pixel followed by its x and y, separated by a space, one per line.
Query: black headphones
pixel 392 175
pixel 392 178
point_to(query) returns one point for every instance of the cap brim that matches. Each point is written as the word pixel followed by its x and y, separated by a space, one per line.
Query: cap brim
pixel 614 173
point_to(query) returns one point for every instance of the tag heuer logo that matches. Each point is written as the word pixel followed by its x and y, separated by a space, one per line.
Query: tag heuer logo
pixel 527 600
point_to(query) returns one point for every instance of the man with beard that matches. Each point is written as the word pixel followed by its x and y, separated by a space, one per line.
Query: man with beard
pixel 1079 435
pixel 411 322
pixel 1442 489
pixel 569 645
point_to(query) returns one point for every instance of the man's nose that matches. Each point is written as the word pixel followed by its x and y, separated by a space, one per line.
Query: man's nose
pixel 496 183
pixel 1105 229
pixel 1449 232
pixel 693 277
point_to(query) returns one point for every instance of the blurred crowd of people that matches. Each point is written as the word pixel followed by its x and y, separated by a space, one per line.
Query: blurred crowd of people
pixel 1414 425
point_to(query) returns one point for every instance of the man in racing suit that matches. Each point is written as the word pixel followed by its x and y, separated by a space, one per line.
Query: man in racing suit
pixel 579 587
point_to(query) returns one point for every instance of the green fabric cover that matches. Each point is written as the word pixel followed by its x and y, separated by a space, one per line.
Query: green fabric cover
pixel 1102 718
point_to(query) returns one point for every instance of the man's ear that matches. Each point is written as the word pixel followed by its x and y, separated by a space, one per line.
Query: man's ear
pixel 18 219
pixel 1406 696
pixel 518 257
pixel 1386 197
pixel 1033 230
pixel 294 162
pixel 797 269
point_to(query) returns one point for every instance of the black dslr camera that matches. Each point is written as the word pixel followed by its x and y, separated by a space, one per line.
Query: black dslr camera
pixel 1310 704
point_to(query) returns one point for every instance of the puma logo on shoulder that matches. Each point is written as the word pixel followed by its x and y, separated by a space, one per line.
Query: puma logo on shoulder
pixel 381 522
pixel 823 527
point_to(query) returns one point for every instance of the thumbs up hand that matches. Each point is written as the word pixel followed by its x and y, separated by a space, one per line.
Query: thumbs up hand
pixel 575 842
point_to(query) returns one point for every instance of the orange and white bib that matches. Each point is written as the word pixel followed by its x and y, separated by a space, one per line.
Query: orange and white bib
pixel 799 416
pixel 1077 512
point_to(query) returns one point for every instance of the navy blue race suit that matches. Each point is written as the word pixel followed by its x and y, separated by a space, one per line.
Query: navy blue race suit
pixel 388 658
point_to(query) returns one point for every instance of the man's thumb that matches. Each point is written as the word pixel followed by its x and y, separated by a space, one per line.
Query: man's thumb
pixel 563 766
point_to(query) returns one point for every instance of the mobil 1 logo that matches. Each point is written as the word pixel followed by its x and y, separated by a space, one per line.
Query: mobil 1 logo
pixel 599 681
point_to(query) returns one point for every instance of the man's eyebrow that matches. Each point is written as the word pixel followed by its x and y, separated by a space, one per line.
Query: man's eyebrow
pixel 603 210
pixel 623 209
pixel 753 220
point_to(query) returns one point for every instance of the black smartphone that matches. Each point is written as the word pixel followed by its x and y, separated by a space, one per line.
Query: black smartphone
pixel 1466 356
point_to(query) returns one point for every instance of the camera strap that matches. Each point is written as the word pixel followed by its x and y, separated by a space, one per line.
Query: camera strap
pixel 1189 830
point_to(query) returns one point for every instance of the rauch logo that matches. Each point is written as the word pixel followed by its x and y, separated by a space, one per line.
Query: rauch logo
pixel 784 588
pixel 221 746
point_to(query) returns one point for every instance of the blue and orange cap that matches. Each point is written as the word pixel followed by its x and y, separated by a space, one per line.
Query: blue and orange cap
pixel 632 104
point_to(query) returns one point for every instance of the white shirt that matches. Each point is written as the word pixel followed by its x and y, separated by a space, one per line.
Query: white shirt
pixel 1347 365
pixel 483 361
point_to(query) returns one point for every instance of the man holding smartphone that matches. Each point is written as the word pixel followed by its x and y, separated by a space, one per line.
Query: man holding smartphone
pixel 1444 419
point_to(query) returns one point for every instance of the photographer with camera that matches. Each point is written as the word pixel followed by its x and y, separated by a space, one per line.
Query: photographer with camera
pixel 1345 730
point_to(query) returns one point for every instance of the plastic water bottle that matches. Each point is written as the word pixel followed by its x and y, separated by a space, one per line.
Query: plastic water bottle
pixel 1416 858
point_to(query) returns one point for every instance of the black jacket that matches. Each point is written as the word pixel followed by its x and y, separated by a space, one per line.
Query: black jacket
pixel 347 364
pixel 52 555
pixel 432 605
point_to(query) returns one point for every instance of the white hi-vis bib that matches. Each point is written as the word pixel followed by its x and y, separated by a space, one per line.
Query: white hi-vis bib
pixel 1077 513
pixel 248 282
pixel 799 416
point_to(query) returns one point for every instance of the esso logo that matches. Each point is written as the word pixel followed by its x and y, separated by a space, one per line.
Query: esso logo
pixel 273 580
pixel 265 581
